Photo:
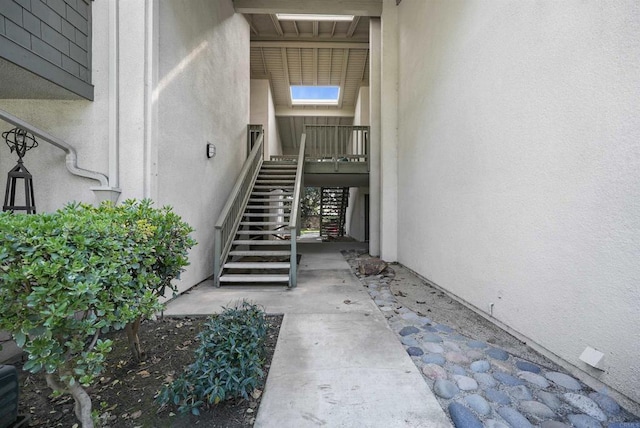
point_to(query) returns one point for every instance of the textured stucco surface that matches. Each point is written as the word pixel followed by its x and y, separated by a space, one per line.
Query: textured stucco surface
pixel 202 96
pixel 263 113
pixel 519 151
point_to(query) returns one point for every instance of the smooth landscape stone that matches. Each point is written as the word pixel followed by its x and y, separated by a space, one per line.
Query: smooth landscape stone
pixel 480 366
pixel 465 383
pixel 458 337
pixel 452 346
pixel 502 366
pixel 536 409
pixel 433 347
pixel 498 354
pixel 423 320
pixel 492 423
pixel 409 341
pixel 463 417
pixel 434 371
pixel 409 316
pixel 507 379
pixel 553 424
pixel 534 379
pixel 549 399
pixel 583 421
pixel 430 337
pixel 485 380
pixel 414 351
pixel 429 329
pixel 445 389
pixel 497 396
pixel 406 331
pixel 520 392
pixel 443 328
pixel 476 344
pixel 606 403
pixel 456 358
pixel 474 355
pixel 478 404
pixel 457 370
pixel 514 418
pixel 433 359
pixel 527 366
pixel 625 425
pixel 585 405
pixel 563 380
pixel 404 310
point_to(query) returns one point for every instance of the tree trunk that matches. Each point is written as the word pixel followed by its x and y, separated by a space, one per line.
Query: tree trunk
pixel 82 400
pixel 134 341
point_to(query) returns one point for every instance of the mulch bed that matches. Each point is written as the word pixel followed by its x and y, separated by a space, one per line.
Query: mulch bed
pixel 124 396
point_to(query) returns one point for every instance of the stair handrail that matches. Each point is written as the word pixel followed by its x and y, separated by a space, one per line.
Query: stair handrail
pixel 231 214
pixel 71 155
pixel 294 220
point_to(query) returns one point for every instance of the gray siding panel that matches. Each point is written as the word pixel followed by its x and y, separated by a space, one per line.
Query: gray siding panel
pixel 31 23
pixel 12 11
pixel 17 34
pixel 47 14
pixel 53 31
pixel 55 39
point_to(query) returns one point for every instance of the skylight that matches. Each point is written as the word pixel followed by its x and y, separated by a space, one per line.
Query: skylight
pixel 315 95
pixel 309 17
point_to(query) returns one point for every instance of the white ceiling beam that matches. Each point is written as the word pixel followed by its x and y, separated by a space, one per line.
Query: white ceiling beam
pixel 249 19
pixel 343 76
pixel 292 130
pixel 276 25
pixel 318 112
pixel 326 7
pixel 301 45
pixel 353 26
pixel 316 27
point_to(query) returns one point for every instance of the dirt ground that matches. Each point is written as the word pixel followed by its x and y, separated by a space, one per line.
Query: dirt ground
pixel 124 396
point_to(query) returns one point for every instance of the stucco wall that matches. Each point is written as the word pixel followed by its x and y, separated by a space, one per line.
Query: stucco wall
pixel 354 220
pixel 203 96
pixel 519 152
pixel 81 123
pixel 263 113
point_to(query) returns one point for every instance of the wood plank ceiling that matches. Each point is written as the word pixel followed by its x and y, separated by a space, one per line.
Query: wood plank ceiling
pixel 309 53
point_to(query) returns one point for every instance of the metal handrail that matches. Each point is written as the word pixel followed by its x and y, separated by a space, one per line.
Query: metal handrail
pixel 294 220
pixel 71 155
pixel 231 215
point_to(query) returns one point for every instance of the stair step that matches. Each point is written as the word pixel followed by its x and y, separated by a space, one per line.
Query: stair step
pixel 263 223
pixel 279 165
pixel 276 175
pixel 254 278
pixel 260 242
pixel 276 186
pixel 271 194
pixel 261 215
pixel 265 200
pixel 268 207
pixel 262 253
pixel 257 265
pixel 275 181
pixel 263 232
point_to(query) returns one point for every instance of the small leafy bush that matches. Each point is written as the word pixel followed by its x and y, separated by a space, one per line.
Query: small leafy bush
pixel 228 362
pixel 66 277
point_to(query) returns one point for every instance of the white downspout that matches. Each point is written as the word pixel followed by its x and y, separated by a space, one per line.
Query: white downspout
pixel 114 123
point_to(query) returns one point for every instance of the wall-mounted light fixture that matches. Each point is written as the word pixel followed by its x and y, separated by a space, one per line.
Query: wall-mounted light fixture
pixel 211 150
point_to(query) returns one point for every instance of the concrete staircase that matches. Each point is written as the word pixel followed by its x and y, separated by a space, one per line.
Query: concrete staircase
pixel 261 249
pixel 333 210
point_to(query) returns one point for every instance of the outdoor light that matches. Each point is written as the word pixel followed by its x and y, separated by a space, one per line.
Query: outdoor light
pixel 20 141
pixel 211 150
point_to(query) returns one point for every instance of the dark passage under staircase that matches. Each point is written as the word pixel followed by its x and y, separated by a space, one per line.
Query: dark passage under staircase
pixel 333 211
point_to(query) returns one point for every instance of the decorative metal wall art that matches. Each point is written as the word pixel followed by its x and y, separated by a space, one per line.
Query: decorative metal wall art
pixel 20 141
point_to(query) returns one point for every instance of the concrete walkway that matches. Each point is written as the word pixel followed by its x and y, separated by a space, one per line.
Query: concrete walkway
pixel 337 363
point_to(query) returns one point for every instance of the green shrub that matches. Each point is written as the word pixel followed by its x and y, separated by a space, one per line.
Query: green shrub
pixel 228 362
pixel 71 275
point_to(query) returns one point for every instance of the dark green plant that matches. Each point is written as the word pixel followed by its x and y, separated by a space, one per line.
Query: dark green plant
pixel 69 276
pixel 228 361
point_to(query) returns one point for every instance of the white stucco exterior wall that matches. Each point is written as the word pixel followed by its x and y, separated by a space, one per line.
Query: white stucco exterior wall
pixel 519 152
pixel 263 113
pixel 202 96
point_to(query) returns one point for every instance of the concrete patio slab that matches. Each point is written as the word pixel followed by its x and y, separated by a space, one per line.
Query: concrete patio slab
pixel 336 363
